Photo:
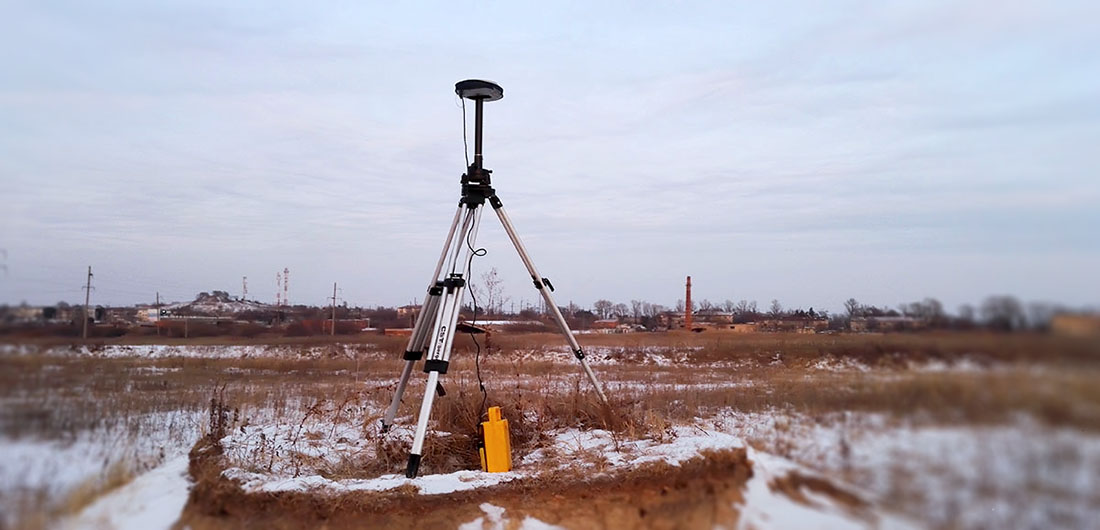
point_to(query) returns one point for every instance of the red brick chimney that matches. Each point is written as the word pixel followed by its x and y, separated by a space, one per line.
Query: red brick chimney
pixel 687 306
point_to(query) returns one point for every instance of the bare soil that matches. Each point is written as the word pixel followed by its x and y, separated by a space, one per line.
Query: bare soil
pixel 699 493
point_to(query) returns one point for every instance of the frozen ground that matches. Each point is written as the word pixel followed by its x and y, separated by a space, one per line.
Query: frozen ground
pixel 594 452
pixel 1018 473
pixel 152 501
pixel 55 474
pixel 217 351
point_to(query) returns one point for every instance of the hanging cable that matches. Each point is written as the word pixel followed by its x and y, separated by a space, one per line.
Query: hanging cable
pixel 465 144
pixel 473 297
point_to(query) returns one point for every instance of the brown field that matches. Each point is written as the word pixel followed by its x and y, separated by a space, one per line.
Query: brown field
pixel 58 397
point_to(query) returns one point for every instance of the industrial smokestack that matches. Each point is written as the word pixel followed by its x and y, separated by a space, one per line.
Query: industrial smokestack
pixel 687 306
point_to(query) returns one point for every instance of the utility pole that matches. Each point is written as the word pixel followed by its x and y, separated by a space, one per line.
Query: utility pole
pixel 333 330
pixel 157 321
pixel 87 300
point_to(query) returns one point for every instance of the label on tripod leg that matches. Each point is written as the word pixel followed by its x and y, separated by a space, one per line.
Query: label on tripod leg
pixel 440 341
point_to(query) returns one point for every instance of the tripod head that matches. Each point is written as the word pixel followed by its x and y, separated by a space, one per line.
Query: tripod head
pixel 479 91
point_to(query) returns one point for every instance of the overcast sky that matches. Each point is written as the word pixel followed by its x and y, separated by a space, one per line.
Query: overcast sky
pixel 807 152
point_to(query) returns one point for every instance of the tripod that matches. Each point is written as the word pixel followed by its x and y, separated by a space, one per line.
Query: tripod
pixel 434 331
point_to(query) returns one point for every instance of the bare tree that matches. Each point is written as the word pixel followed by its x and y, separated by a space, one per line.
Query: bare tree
pixel 966 314
pixel 619 310
pixel 853 308
pixel 744 311
pixel 776 309
pixel 706 305
pixel 492 290
pixel 1039 314
pixel 1004 313
pixel 603 308
pixel 636 309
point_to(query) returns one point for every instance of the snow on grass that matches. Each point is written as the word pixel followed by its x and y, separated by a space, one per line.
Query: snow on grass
pixel 763 507
pixel 152 501
pixel 610 355
pixel 494 519
pixel 580 447
pixel 56 469
pixel 598 451
pixel 833 364
pixel 1013 475
pixel 427 484
pixel 214 351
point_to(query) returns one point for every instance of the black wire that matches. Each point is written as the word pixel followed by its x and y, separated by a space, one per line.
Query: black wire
pixel 473 297
pixel 465 144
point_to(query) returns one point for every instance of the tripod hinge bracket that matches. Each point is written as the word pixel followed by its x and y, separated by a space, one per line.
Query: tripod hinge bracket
pixel 495 202
pixel 543 282
pixel 578 353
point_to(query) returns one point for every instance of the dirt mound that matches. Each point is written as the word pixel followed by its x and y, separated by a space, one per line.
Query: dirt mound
pixel 698 493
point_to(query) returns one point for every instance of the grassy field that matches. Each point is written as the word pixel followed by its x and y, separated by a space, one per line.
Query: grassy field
pixel 126 414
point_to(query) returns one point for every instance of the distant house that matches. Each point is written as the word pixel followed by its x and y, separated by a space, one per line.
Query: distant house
pixel 611 325
pixel 408 311
pixel 605 324
pixel 1076 325
pixel 794 324
pixel 714 316
pixel 865 324
pixel 748 327
pixel 26 313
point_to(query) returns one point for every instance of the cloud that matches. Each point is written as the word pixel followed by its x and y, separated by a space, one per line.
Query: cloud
pixel 199 143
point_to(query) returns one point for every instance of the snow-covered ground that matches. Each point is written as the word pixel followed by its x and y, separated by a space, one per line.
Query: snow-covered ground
pixel 595 452
pixel 152 501
pixel 63 471
pixel 218 351
pixel 1014 474
pixel 1017 475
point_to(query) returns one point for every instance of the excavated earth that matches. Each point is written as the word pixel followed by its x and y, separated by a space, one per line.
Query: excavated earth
pixel 702 492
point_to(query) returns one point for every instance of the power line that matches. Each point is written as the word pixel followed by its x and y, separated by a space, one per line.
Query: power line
pixel 87 299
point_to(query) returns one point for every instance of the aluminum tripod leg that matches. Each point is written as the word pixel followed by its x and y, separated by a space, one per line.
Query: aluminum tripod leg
pixel 544 287
pixel 418 340
pixel 443 331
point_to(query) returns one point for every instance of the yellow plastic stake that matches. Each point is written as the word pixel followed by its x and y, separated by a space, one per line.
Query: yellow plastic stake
pixel 496 456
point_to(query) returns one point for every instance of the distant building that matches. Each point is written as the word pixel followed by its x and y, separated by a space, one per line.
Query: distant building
pixel 714 316
pixel 794 324
pixel 748 327
pixel 865 324
pixel 408 311
pixel 611 325
pixel 1076 325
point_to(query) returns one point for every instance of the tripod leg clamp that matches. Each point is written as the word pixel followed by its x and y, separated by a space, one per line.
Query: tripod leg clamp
pixel 578 353
pixel 436 366
pixel 413 355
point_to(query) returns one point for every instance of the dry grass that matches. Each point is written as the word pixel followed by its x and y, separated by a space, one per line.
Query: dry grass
pixel 59 398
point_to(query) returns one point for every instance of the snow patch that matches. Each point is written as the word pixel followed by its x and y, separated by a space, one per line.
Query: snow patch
pixel 152 501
